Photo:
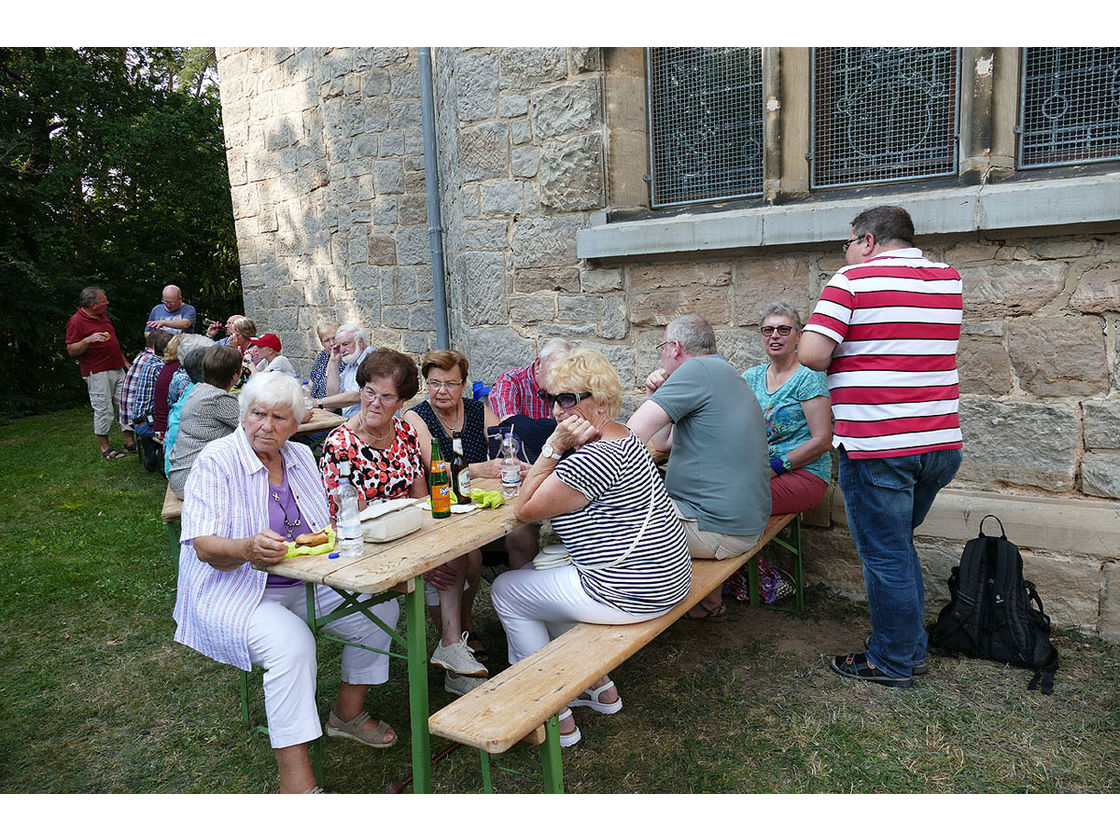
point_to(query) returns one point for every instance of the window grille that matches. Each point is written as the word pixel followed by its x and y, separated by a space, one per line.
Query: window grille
pixel 705 123
pixel 883 114
pixel 1069 108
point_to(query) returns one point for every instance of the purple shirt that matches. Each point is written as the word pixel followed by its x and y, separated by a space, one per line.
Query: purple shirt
pixel 227 496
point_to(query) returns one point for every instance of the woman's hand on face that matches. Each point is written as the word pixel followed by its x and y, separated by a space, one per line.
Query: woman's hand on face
pixel 266 547
pixel 572 432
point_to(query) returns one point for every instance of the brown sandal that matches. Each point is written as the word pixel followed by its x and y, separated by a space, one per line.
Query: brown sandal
pixel 352 729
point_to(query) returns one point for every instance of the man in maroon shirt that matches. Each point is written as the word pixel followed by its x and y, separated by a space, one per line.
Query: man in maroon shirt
pixel 91 339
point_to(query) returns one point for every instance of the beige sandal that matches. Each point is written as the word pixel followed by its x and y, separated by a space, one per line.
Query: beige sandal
pixel 352 729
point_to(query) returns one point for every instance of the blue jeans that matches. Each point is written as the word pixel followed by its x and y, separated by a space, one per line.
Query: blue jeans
pixel 886 499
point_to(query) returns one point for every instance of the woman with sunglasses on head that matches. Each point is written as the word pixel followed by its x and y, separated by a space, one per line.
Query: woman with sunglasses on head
pixel 798 415
pixel 446 412
pixel 629 555
pixel 386 462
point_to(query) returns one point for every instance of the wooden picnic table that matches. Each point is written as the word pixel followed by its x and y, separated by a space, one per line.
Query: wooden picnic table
pixel 321 420
pixel 400 565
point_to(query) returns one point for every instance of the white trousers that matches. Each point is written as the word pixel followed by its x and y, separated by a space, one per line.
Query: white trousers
pixel 536 606
pixel 281 642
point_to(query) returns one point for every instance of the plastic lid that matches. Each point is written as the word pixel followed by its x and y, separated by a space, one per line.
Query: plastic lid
pixel 334 555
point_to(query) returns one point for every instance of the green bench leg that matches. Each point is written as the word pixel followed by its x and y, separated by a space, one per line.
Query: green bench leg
pixel 484 762
pixel 552 766
pixel 173 531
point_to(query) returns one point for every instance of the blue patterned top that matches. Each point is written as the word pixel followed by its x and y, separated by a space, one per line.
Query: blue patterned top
pixel 786 425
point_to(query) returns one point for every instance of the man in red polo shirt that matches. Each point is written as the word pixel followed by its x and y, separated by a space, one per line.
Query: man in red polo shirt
pixel 91 339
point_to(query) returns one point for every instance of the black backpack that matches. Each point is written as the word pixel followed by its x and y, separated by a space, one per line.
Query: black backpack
pixel 993 613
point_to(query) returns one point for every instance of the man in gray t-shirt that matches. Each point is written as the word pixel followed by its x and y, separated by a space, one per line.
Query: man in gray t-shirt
pixel 704 414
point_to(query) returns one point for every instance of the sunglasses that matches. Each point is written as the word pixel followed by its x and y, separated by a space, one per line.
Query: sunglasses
pixel 783 329
pixel 567 399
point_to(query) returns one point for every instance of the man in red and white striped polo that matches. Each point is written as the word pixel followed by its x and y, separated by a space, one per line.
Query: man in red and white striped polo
pixel 886 329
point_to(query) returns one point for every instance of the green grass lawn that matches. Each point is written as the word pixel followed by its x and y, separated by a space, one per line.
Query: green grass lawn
pixel 96 697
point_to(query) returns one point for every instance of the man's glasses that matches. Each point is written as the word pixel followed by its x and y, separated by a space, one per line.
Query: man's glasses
pixel 783 329
pixel 568 399
pixel 663 343
pixel 433 385
pixel 848 244
pixel 372 397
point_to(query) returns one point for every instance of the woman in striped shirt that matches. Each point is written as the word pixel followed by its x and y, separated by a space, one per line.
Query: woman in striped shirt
pixel 598 485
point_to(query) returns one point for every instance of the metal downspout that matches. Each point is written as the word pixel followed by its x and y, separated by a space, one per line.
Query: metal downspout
pixel 431 185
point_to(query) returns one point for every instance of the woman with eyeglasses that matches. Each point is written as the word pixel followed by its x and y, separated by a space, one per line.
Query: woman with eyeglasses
pixel 798 415
pixel 445 412
pixel 598 485
pixel 387 461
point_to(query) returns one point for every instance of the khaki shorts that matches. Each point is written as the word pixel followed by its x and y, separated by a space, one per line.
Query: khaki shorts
pixel 105 398
pixel 708 545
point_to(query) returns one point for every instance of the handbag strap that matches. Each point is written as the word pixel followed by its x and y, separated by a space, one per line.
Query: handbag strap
pixel 641 531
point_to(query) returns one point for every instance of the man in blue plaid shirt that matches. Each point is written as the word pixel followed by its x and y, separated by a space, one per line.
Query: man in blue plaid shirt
pixel 138 391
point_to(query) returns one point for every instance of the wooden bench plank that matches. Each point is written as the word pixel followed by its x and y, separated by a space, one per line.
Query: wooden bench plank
pixel 172 507
pixel 513 704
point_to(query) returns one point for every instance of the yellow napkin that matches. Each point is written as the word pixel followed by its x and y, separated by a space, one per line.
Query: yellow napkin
pixel 327 547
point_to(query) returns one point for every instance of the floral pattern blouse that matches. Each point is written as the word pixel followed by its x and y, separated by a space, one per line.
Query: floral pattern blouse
pixel 387 473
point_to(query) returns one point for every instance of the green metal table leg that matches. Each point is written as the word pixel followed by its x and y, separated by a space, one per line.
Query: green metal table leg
pixel 552 766
pixel 487 782
pixel 418 688
pixel 173 531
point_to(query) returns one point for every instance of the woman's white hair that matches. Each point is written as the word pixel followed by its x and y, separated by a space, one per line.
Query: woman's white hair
pixel 271 388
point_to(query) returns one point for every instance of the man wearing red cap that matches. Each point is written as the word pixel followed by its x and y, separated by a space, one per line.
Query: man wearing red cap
pixel 265 350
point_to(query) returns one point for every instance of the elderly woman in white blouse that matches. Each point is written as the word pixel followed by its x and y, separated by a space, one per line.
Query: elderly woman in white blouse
pixel 247 494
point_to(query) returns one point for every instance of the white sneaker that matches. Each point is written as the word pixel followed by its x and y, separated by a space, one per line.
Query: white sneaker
pixel 460 684
pixel 458 657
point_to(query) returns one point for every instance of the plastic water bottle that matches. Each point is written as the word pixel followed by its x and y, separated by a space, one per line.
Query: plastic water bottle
pixel 349 525
pixel 307 401
pixel 511 468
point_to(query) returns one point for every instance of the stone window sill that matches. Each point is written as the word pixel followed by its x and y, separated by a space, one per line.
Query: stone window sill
pixel 1009 205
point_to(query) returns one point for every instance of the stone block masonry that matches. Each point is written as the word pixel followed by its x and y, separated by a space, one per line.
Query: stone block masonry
pixel 326 170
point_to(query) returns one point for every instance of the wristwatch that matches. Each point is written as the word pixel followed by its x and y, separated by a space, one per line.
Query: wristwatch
pixel 548 452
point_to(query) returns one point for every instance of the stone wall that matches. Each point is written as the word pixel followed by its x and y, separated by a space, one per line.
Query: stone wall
pixel 327 176
pixel 326 169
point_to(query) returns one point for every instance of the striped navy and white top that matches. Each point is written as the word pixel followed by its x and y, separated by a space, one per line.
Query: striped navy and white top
pixel 617 476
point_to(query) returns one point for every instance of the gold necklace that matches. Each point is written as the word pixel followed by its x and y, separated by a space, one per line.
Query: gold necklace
pixel 366 435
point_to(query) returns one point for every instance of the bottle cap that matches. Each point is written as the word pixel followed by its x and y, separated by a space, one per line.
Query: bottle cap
pixel 334 555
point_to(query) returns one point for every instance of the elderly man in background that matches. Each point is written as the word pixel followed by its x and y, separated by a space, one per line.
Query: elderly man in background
pixel 171 313
pixel 886 329
pixel 91 339
pixel 523 390
pixel 351 346
pixel 705 415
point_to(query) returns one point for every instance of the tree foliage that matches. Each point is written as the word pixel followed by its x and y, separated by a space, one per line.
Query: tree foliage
pixel 112 173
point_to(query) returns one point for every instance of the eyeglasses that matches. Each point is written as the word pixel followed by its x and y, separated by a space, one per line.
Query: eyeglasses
pixel 433 385
pixel 670 341
pixel 372 397
pixel 781 329
pixel 848 244
pixel 567 399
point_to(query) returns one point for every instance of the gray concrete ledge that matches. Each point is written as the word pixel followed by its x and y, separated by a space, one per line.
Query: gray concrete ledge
pixel 1056 525
pixel 1004 206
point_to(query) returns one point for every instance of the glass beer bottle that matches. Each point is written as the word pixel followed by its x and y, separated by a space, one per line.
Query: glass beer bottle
pixel 460 470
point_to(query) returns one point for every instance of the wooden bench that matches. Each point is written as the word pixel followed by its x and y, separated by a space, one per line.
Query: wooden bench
pixel 522 702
